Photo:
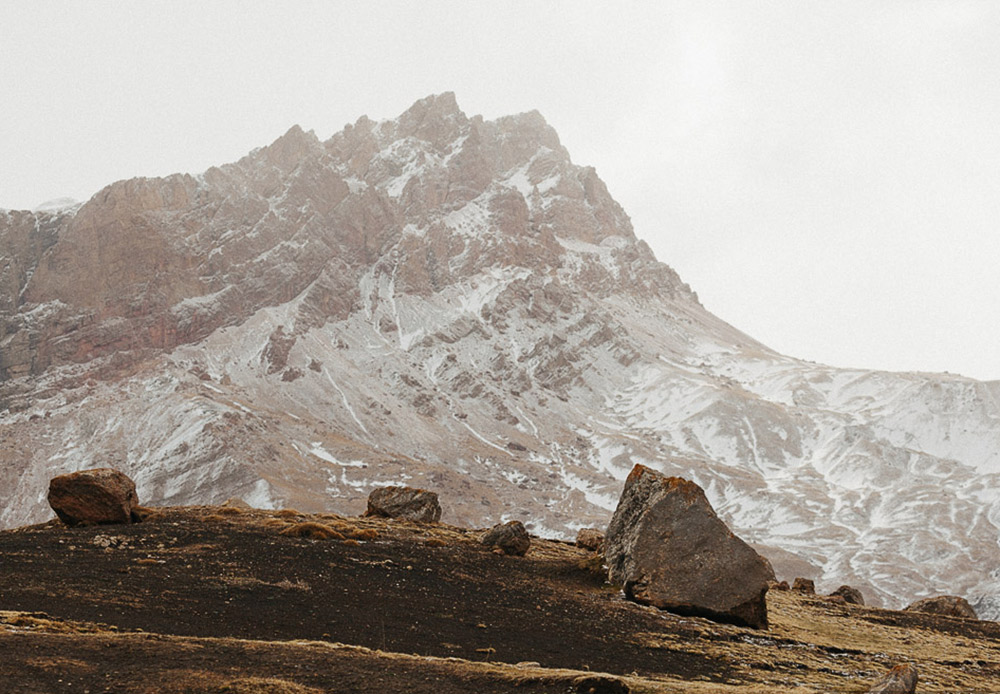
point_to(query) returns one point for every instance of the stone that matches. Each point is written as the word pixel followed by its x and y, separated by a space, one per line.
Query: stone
pixel 599 684
pixel 667 548
pixel 901 679
pixel 804 585
pixel 404 502
pixel 849 594
pixel 946 605
pixel 96 496
pixel 510 537
pixel 590 538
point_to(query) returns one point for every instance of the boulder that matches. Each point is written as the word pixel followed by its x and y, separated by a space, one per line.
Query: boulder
pixel 947 605
pixel 404 502
pixel 599 684
pixel 849 594
pixel 902 679
pixel 804 585
pixel 668 548
pixel 590 538
pixel 510 537
pixel 100 495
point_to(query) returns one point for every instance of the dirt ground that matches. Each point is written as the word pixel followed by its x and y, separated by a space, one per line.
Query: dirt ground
pixel 206 599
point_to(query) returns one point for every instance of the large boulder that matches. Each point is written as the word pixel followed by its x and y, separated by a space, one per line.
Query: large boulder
pixel 850 594
pixel 947 605
pixel 510 537
pixel 404 502
pixel 667 548
pixel 901 679
pixel 97 496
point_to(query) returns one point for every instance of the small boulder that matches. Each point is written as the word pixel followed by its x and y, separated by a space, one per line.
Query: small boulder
pixel 599 684
pixel 902 679
pixel 947 605
pixel 849 594
pixel 590 538
pixel 804 585
pixel 510 537
pixel 404 502
pixel 97 496
pixel 669 549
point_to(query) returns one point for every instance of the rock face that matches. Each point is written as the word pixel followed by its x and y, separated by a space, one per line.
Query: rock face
pixel 404 502
pixel 849 594
pixel 947 605
pixel 101 495
pixel 511 537
pixel 668 548
pixel 901 679
pixel 590 538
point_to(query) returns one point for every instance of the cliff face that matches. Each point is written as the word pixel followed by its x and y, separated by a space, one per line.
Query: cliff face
pixel 451 302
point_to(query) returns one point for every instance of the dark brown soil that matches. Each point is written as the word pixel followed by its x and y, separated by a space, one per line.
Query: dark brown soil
pixel 203 599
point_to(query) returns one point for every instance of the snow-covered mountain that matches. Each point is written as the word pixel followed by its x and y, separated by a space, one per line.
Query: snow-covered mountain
pixel 452 303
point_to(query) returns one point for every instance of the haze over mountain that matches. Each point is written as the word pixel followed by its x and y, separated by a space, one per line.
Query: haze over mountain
pixel 453 303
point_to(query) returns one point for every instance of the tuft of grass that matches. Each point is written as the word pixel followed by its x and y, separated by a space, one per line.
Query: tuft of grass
pixel 434 542
pixel 351 543
pixel 229 511
pixel 289 513
pixel 314 531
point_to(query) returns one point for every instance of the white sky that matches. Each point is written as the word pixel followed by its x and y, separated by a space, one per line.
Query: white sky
pixel 826 175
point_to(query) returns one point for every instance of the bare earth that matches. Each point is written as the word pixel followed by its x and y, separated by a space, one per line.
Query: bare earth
pixel 210 599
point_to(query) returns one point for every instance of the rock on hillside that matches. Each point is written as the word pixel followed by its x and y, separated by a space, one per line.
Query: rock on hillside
pixel 447 302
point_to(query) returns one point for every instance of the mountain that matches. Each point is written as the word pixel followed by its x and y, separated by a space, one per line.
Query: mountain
pixel 452 303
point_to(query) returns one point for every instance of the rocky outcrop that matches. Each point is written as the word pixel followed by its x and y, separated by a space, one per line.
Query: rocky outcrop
pixel 404 502
pixel 947 605
pixel 98 496
pixel 804 585
pixel 510 537
pixel 902 679
pixel 590 538
pixel 668 548
pixel 850 595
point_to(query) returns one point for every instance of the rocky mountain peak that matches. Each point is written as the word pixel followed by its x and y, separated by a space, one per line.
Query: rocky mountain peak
pixel 448 302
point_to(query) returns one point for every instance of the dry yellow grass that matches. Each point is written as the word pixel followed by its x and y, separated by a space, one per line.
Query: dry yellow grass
pixel 313 531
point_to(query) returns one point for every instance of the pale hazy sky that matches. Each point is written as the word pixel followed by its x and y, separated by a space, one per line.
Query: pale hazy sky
pixel 826 175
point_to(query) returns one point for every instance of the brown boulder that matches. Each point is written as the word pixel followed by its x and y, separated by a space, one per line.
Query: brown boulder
pixel 947 605
pixel 804 585
pixel 902 679
pixel 510 537
pixel 404 502
pixel 100 495
pixel 590 538
pixel 668 549
pixel 849 594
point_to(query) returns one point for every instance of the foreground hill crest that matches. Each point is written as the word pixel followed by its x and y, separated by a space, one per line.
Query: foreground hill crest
pixel 449 302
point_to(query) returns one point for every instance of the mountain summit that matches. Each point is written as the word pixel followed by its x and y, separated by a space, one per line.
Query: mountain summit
pixel 452 303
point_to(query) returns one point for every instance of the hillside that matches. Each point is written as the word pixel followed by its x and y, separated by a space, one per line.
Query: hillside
pixel 452 303
pixel 215 599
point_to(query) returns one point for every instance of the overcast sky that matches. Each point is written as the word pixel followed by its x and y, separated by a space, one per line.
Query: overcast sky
pixel 826 175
